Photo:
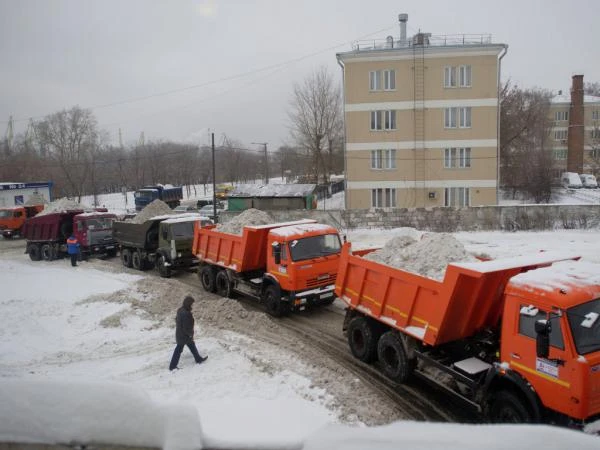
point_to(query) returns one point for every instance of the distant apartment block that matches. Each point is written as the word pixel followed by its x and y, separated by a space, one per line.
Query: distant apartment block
pixel 575 132
pixel 421 120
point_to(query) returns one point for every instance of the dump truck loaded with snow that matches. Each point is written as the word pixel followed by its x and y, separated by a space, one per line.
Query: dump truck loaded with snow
pixel 517 339
pixel 171 195
pixel 287 265
pixel 47 234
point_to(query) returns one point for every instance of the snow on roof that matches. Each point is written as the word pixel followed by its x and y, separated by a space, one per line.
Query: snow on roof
pixel 561 275
pixel 296 230
pixel 181 218
pixel 72 411
pixel 194 216
pixel 272 190
pixel 517 261
pixel 281 224
pixel 566 98
pixel 94 214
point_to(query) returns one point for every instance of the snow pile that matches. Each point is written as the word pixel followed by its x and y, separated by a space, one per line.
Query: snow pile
pixel 428 256
pixel 156 208
pixel 61 205
pixel 249 217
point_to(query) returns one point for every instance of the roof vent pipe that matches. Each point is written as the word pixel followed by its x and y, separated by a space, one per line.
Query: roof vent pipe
pixel 403 18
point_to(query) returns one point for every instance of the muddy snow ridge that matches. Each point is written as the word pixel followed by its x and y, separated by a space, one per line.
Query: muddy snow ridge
pixel 249 217
pixel 156 208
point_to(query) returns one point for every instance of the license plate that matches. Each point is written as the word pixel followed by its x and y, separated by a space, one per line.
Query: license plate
pixel 327 295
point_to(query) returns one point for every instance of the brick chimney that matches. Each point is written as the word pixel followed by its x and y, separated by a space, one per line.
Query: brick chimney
pixel 576 127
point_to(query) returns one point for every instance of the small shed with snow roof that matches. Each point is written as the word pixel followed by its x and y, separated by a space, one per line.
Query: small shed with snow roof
pixel 273 197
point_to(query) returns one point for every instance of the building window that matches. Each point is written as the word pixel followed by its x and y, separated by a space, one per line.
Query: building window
pixel 595 133
pixel 383 198
pixel 464 76
pixel 390 120
pixel 383 120
pixel 457 158
pixel 560 154
pixel 376 122
pixel 465 117
pixel 560 135
pixel 389 80
pixel 375 80
pixel 595 115
pixel 595 153
pixel 560 116
pixel 449 77
pixel 456 197
pixel 383 159
pixel 450 117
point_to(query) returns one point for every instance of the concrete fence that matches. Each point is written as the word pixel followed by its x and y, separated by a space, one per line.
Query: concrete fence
pixel 507 218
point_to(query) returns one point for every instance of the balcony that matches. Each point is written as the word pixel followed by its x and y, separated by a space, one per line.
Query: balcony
pixel 424 40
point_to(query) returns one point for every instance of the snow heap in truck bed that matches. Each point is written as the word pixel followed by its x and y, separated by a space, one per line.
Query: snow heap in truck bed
pixel 249 217
pixel 428 256
pixel 60 205
pixel 156 208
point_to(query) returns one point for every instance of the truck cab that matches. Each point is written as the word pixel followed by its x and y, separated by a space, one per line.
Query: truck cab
pixel 13 218
pixel 93 230
pixel 551 340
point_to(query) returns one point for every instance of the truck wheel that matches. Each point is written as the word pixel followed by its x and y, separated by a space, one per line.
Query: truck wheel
pixel 126 257
pixel 47 252
pixel 275 307
pixel 508 408
pixel 34 252
pixel 207 278
pixel 223 285
pixel 163 269
pixel 392 356
pixel 111 253
pixel 136 260
pixel 362 339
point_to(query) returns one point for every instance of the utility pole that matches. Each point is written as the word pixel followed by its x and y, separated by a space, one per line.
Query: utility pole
pixel 264 144
pixel 212 140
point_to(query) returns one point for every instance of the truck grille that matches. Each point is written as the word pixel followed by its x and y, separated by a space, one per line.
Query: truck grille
pixel 321 280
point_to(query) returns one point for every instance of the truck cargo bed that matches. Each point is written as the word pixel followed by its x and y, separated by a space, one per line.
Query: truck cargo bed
pixel 140 235
pixel 466 301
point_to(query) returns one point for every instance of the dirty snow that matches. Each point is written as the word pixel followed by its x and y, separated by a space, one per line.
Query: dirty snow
pixel 251 216
pixel 156 208
pixel 60 205
pixel 427 256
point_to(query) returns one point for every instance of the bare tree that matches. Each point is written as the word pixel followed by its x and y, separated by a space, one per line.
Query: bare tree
pixel 592 89
pixel 525 157
pixel 316 118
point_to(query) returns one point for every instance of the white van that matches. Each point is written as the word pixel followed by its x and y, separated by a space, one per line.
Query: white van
pixel 588 181
pixel 571 180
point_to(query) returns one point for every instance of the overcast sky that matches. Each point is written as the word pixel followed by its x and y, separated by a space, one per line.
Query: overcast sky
pixel 240 58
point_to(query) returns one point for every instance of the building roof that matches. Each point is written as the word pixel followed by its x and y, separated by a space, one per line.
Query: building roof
pixel 272 190
pixel 566 98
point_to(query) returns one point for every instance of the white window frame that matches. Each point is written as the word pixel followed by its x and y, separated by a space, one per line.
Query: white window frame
pixel 464 157
pixel 560 154
pixel 595 114
pixel 389 121
pixel 561 116
pixel 375 80
pixel 465 75
pixel 595 133
pixel 383 198
pixel 449 77
pixel 464 115
pixel 450 117
pixel 450 158
pixel 457 196
pixel 383 159
pixel 389 80
pixel 457 158
pixel 376 122
pixel 561 135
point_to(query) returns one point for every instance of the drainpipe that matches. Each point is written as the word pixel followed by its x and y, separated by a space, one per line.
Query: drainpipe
pixel 346 190
pixel 502 55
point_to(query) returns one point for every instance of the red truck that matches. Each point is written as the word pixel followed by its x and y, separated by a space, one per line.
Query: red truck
pixel 287 265
pixel 517 339
pixel 13 218
pixel 47 234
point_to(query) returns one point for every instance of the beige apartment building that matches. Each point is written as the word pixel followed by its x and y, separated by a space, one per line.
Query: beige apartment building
pixel 575 151
pixel 421 121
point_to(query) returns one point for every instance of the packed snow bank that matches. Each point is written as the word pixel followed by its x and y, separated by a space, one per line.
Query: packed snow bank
pixel 437 436
pixel 60 205
pixel 249 217
pixel 427 256
pixel 70 411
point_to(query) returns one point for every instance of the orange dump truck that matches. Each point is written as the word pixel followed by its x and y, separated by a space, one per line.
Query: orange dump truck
pixel 518 339
pixel 13 218
pixel 287 265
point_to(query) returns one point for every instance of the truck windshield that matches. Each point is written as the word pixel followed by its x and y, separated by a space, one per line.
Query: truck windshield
pixel 5 214
pixel 99 223
pixel 144 194
pixel 182 230
pixel 584 321
pixel 314 246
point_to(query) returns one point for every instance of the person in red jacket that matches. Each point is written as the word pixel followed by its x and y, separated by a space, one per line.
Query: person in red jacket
pixel 73 249
pixel 184 333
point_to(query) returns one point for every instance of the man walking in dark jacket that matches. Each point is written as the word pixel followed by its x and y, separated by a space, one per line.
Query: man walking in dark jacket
pixel 184 333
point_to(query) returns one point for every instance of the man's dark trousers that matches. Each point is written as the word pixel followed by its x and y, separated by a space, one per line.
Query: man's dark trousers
pixel 177 353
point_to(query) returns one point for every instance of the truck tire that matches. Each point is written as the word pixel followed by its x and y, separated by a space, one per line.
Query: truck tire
pixel 34 251
pixel 47 252
pixel 223 285
pixel 161 264
pixel 137 261
pixel 207 278
pixel 362 339
pixel 111 253
pixel 126 257
pixel 507 407
pixel 273 304
pixel 392 357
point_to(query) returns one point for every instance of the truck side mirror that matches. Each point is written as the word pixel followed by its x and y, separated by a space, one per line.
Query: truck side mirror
pixel 542 338
pixel 277 252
